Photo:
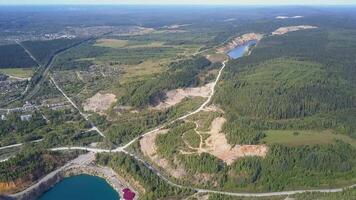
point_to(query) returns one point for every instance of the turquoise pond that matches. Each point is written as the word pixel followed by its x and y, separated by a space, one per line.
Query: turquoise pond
pixel 240 50
pixel 81 187
pixel 85 187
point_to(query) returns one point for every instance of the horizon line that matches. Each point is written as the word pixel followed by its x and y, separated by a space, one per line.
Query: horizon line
pixel 172 4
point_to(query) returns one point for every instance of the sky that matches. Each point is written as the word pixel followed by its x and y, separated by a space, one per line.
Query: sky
pixel 170 2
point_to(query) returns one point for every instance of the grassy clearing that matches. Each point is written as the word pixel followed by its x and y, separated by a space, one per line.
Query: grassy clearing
pixel 111 43
pixel 142 70
pixel 147 45
pixel 305 137
pixel 204 120
pixel 18 72
pixel 117 44
pixel 216 57
pixel 192 138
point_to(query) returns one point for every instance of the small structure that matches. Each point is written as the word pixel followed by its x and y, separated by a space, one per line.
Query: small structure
pixel 3 77
pixel 128 194
pixel 3 117
pixel 26 117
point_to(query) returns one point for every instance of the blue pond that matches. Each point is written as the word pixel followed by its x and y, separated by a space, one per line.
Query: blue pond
pixel 240 50
pixel 81 187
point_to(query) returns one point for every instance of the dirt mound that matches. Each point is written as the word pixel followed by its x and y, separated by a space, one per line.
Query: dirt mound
pixel 284 30
pixel 217 145
pixel 217 57
pixel 99 103
pixel 176 96
pixel 238 41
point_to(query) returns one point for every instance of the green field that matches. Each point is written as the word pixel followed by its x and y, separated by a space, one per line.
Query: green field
pixel 117 44
pixel 18 72
pixel 303 137
pixel 111 43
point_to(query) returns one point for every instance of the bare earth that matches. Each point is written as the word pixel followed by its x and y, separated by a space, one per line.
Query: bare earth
pixel 176 96
pixel 284 30
pixel 217 57
pixel 216 144
pixel 240 41
pixel 149 149
pixel 99 103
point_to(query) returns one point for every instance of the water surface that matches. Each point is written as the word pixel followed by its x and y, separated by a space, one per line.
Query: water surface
pixel 239 51
pixel 81 187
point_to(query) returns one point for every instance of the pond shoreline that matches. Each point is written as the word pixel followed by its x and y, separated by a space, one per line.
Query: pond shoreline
pixel 73 168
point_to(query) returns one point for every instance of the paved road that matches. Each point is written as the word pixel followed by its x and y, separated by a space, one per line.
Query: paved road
pixel 46 67
pixel 200 190
pixel 19 144
pixel 187 115
pixel 157 172
pixel 94 150
pixel 84 159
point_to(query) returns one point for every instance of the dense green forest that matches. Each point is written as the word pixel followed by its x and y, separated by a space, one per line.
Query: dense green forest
pixel 154 186
pixel 302 80
pixel 344 195
pixel 132 125
pixel 14 56
pixel 284 167
pixel 31 163
pixel 61 127
pixel 180 74
pixel 43 50
pixel 14 127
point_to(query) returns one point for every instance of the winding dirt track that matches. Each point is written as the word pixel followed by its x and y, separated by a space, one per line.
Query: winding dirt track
pixel 198 190
pixel 187 115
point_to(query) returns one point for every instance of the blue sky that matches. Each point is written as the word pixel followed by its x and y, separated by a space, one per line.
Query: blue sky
pixel 221 2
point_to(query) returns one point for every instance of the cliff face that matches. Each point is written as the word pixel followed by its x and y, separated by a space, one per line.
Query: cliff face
pixel 38 191
pixel 14 186
pixel 240 41
pixel 7 187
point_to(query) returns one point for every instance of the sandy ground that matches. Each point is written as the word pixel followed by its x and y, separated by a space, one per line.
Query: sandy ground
pixel 99 102
pixel 175 26
pixel 214 108
pixel 216 57
pixel 217 145
pixel 176 96
pixel 284 30
pixel 149 149
pixel 240 41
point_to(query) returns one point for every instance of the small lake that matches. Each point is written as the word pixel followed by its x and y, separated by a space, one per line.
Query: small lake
pixel 81 187
pixel 241 50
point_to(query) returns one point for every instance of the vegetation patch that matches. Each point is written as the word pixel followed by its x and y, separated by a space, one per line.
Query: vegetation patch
pixel 305 137
pixel 149 149
pixel 133 170
pixel 111 43
pixel 27 167
pixel 18 72
pixel 14 56
pixel 43 50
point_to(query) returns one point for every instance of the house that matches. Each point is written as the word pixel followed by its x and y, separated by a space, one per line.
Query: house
pixel 25 117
